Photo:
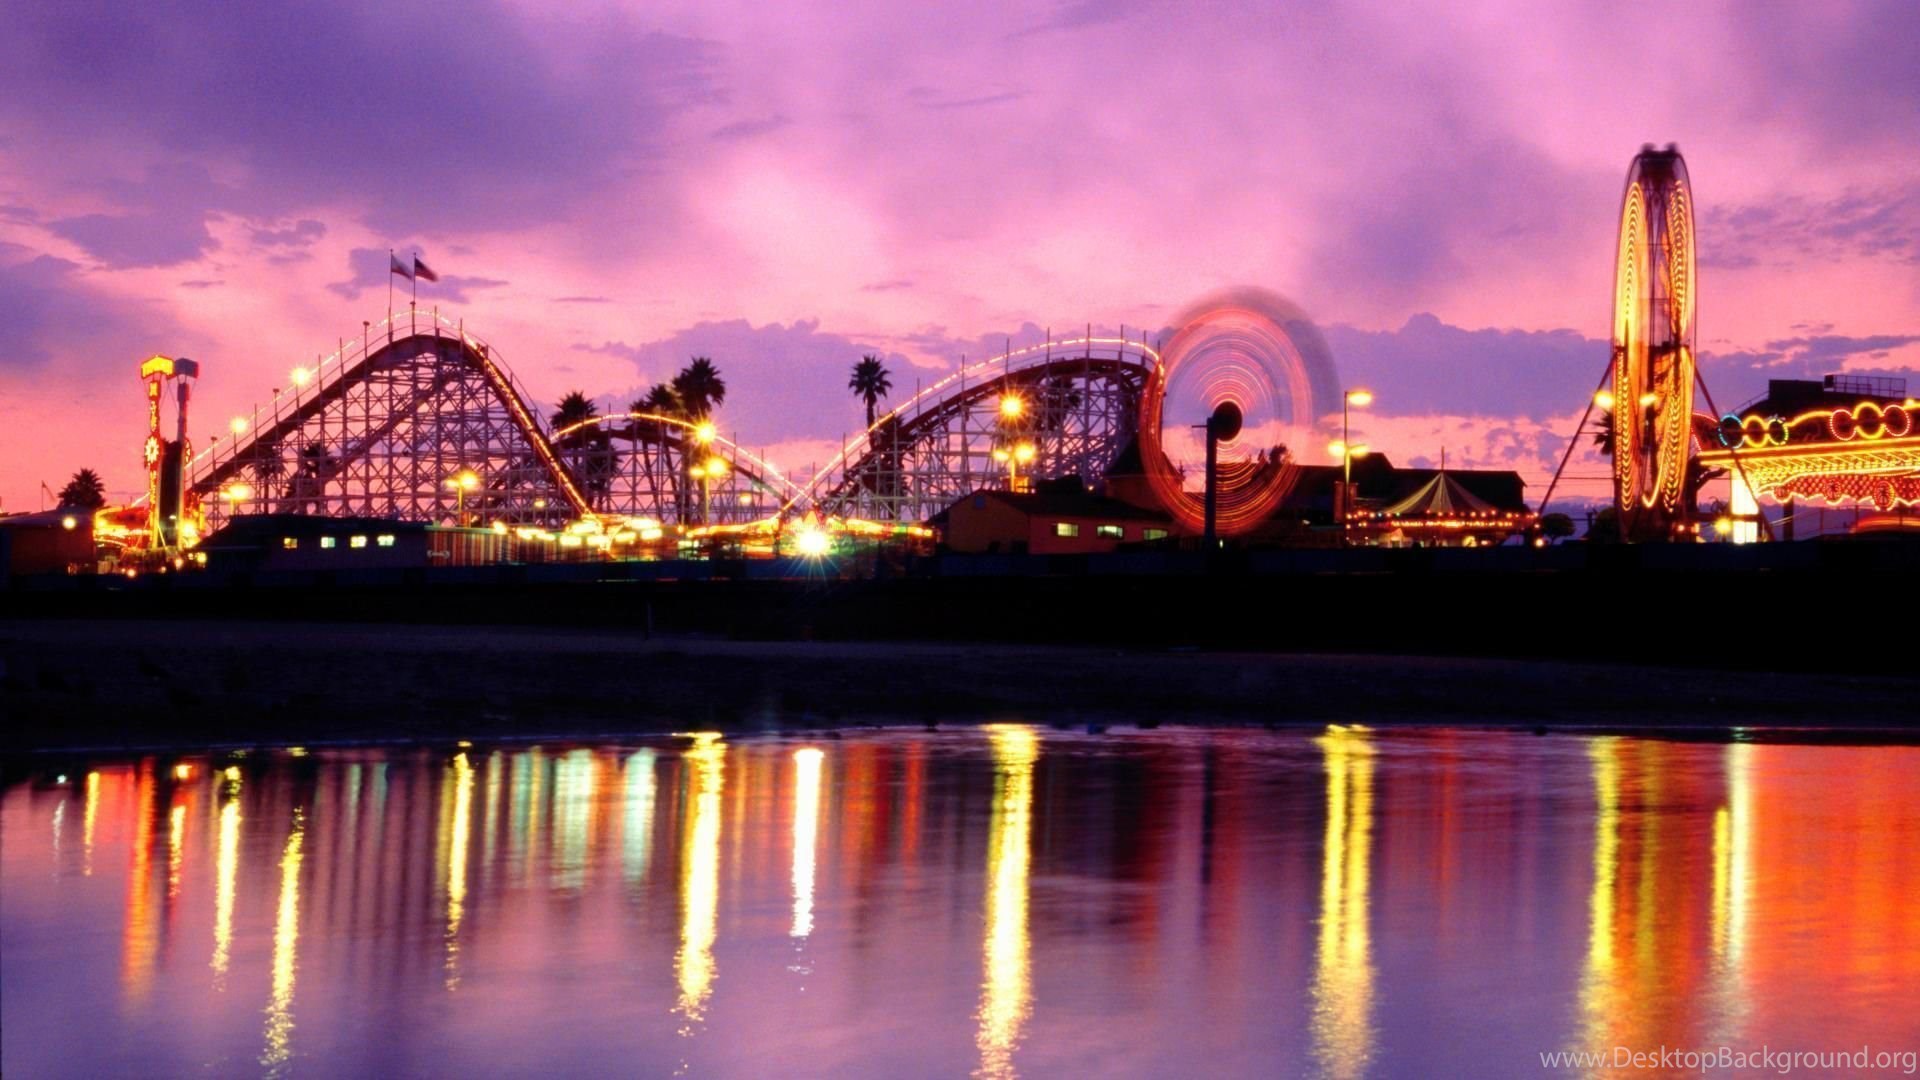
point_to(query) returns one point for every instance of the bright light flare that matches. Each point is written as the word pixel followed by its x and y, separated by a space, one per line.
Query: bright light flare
pixel 705 432
pixel 1604 399
pixel 1359 399
pixel 813 543
pixel 302 376
pixel 1012 406
pixel 238 425
pixel 1023 453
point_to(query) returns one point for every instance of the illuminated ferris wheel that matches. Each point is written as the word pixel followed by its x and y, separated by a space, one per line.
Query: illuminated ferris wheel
pixel 1654 287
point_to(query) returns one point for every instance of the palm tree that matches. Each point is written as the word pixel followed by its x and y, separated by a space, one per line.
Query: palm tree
pixel 575 408
pixel 870 382
pixel 661 400
pixel 589 450
pixel 1603 432
pixel 700 388
pixel 266 464
pixel 1058 399
pixel 316 465
pixel 86 491
pixel 1698 476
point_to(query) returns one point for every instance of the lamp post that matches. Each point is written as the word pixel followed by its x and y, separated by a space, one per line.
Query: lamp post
pixel 236 494
pixel 461 483
pixel 1013 457
pixel 714 469
pixel 1350 400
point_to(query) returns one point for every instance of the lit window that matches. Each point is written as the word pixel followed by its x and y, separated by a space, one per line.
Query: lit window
pixel 384 539
pixel 328 542
pixel 290 543
pixel 357 541
pixel 1156 534
pixel 1108 532
pixel 1065 528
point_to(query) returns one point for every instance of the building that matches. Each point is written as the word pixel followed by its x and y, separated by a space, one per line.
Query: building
pixel 1056 518
pixel 51 542
pixel 300 542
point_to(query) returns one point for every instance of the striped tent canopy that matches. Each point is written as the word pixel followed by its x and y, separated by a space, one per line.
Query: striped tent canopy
pixel 1440 497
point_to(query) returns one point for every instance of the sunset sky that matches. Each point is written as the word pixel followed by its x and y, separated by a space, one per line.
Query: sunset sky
pixel 608 189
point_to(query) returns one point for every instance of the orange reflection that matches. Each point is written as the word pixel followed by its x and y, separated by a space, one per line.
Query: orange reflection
pixel 1652 909
pixel 138 940
pixel 700 880
pixel 226 868
pixel 1343 969
pixel 457 864
pixel 806 825
pixel 1006 994
pixel 286 939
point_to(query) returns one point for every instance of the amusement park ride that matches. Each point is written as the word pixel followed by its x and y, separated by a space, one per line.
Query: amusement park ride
pixel 1864 449
pixel 418 420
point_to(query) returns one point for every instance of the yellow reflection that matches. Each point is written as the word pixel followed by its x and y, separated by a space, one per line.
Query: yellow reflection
pixel 91 811
pixel 700 880
pixel 637 833
pixel 572 810
pixel 176 834
pixel 226 865
pixel 457 863
pixel 1732 870
pixel 286 937
pixel 806 826
pixel 1596 1002
pixel 1343 969
pixel 1006 994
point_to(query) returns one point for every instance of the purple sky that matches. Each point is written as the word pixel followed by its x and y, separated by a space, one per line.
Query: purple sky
pixel 609 190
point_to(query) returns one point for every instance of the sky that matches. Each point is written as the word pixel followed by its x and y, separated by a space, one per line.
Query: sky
pixel 608 189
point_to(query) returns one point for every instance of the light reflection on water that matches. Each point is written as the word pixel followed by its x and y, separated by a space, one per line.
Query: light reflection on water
pixel 1002 901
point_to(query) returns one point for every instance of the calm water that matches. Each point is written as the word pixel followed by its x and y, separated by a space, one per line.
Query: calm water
pixel 996 902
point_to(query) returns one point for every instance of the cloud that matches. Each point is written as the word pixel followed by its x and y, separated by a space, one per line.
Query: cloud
pixel 1079 14
pixel 583 299
pixel 1428 366
pixel 887 286
pixel 202 284
pixel 1797 232
pixel 744 129
pixel 411 112
pixel 926 97
pixel 300 234
pixel 369 268
pixel 137 240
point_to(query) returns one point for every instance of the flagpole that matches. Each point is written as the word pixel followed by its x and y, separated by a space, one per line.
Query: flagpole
pixel 414 302
pixel 390 261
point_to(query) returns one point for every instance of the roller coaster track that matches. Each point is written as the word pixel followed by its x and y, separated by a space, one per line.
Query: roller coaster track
pixel 1078 409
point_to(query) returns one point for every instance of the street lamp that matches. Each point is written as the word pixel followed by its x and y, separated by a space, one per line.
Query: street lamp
pixel 235 495
pixel 715 468
pixel 461 483
pixel 1352 399
pixel 1013 457
pixel 1012 405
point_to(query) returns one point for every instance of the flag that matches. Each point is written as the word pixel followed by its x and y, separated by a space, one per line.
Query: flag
pixel 395 266
pixel 423 271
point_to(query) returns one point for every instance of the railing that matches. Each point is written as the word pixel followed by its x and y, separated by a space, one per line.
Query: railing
pixel 335 366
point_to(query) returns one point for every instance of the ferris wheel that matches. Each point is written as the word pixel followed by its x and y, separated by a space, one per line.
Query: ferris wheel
pixel 1653 360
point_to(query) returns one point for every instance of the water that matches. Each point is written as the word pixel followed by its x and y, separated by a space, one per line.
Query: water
pixel 996 902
